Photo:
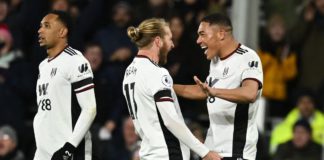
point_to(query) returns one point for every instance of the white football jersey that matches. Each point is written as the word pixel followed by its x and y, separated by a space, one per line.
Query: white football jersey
pixel 59 80
pixel 233 130
pixel 143 82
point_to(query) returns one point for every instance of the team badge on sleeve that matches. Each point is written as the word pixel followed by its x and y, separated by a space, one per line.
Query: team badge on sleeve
pixel 167 81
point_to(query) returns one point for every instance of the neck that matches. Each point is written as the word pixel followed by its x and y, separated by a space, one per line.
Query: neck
pixel 151 54
pixel 230 45
pixel 52 52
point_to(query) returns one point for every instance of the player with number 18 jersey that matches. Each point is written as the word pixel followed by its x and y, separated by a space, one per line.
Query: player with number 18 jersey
pixel 59 82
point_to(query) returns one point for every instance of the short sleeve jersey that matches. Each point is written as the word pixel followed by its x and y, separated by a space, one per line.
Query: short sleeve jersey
pixel 233 131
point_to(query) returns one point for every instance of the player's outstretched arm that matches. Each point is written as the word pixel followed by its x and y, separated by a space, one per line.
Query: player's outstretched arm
pixel 247 93
pixel 189 91
pixel 176 125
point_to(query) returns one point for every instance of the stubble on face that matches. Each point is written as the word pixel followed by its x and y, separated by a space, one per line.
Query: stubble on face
pixel 163 55
pixel 166 47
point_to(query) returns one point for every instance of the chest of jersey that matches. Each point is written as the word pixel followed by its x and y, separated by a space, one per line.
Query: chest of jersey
pixel 51 83
pixel 225 74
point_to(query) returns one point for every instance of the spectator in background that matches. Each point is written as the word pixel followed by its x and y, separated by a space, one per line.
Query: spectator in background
pixel 3 10
pixel 184 62
pixel 9 144
pixel 86 19
pixel 305 109
pixel 61 5
pixel 12 108
pixel 66 6
pixel 117 48
pixel 308 35
pixel 153 8
pixel 192 11
pixel 301 147
pixel 6 23
pixel 110 102
pixel 121 149
pixel 218 6
pixel 279 63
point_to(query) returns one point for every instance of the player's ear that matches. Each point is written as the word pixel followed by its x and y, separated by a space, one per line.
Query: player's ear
pixel 63 32
pixel 221 34
pixel 158 41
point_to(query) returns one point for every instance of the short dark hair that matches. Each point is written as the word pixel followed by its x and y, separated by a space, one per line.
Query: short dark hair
pixel 65 18
pixel 92 44
pixel 218 19
pixel 303 123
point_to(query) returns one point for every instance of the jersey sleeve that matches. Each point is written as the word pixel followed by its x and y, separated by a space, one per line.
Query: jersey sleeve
pixel 252 68
pixel 81 76
pixel 161 81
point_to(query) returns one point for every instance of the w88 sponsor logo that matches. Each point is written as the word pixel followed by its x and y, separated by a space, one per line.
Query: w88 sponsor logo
pixel 45 104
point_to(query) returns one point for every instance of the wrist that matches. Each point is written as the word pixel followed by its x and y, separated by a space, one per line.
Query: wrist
pixel 68 146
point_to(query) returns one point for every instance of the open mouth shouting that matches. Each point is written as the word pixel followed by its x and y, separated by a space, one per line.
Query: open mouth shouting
pixel 205 48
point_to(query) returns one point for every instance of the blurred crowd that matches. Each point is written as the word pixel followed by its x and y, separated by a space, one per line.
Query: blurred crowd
pixel 291 48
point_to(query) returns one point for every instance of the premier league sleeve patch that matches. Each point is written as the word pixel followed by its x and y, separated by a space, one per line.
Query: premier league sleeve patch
pixel 167 80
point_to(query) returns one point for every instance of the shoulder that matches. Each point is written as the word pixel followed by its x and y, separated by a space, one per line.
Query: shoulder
pixel 315 146
pixel 248 53
pixel 249 58
pixel 160 75
pixel 73 57
pixel 42 63
pixel 159 71
pixel 286 145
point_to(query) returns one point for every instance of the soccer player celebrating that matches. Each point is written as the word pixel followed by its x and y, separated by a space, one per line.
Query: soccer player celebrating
pixel 233 90
pixel 151 100
pixel 65 95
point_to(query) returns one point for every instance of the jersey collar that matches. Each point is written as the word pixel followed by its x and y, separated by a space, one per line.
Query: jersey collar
pixel 238 46
pixel 143 56
pixel 50 59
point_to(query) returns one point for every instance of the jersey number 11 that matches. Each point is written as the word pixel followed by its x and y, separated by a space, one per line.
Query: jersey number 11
pixel 129 95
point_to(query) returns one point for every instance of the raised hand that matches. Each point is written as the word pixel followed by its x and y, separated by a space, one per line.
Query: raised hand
pixel 212 156
pixel 204 86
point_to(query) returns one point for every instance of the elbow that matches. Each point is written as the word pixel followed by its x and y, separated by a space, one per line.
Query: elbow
pixel 170 123
pixel 93 111
pixel 167 124
pixel 251 98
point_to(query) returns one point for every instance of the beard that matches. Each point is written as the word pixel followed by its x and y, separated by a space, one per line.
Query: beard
pixel 163 56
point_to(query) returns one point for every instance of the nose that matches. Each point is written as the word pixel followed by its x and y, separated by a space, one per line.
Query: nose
pixel 198 40
pixel 172 45
pixel 39 30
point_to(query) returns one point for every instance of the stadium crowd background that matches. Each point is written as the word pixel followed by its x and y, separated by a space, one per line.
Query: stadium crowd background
pixel 291 38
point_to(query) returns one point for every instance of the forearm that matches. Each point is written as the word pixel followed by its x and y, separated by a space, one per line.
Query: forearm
pixel 242 94
pixel 88 105
pixel 178 128
pixel 189 91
